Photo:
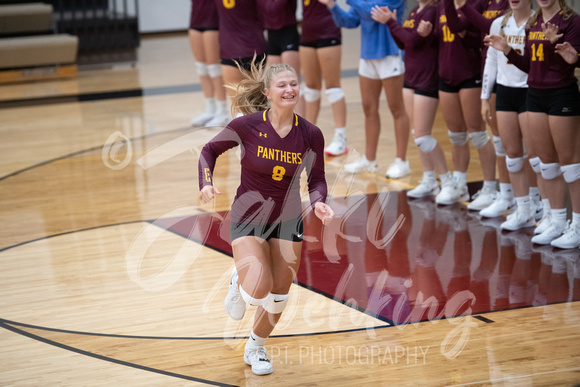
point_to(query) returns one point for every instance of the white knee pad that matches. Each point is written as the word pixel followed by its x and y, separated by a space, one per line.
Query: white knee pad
pixel 571 172
pixel 535 163
pixel 334 95
pixel 201 68
pixel 275 303
pixel 479 139
pixel 457 138
pixel 426 143
pixel 551 170
pixel 498 145
pixel 514 165
pixel 311 95
pixel 251 300
pixel 214 70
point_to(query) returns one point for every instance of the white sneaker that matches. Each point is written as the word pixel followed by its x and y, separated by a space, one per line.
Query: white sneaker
pixel 361 165
pixel 259 359
pixel 500 206
pixel 544 223
pixel 398 169
pixel 570 239
pixel 537 207
pixel 234 303
pixel 338 145
pixel 452 193
pixel 482 199
pixel 517 221
pixel 426 187
pixel 202 119
pixel 219 120
pixel 554 231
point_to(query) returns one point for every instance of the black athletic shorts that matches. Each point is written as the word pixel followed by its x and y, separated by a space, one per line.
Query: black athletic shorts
pixel 321 43
pixel 290 230
pixel 245 63
pixel 511 99
pixel 563 101
pixel 284 39
pixel 467 84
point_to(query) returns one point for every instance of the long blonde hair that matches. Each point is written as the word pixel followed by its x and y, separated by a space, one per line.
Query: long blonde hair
pixel 249 92
pixel 564 8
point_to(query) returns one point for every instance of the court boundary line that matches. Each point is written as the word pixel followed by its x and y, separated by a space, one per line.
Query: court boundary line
pixel 54 343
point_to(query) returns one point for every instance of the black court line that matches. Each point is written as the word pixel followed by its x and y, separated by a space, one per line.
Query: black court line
pixel 80 152
pixel 120 94
pixel 9 327
pixel 484 319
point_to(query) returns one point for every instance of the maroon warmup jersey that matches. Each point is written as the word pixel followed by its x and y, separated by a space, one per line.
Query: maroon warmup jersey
pixel 545 68
pixel 269 189
pixel 241 29
pixel 420 53
pixel 459 57
pixel 204 15
pixel 278 13
pixel 317 23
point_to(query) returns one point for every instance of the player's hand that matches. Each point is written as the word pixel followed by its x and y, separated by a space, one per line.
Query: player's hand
pixel 486 111
pixel 497 42
pixel 207 193
pixel 551 32
pixel 566 51
pixel 424 28
pixel 323 212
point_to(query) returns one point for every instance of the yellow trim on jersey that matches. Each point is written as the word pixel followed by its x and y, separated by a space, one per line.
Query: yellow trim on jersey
pixel 264 117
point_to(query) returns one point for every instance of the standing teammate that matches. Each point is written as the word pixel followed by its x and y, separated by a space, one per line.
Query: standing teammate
pixel 553 103
pixel 283 38
pixel 320 57
pixel 511 111
pixel 204 41
pixel 420 92
pixel 381 67
pixel 459 98
pixel 266 215
pixel 241 37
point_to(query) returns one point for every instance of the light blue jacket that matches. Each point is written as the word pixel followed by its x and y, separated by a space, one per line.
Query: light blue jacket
pixel 376 39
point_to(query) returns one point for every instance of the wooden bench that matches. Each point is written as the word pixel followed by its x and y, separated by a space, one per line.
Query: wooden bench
pixel 32 18
pixel 38 57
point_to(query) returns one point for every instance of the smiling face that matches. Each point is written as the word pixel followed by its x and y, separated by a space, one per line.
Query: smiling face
pixel 284 90
pixel 520 4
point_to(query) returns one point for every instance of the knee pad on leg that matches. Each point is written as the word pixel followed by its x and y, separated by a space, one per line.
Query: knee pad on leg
pixel 275 303
pixel 571 172
pixel 214 70
pixel 251 300
pixel 334 94
pixel 201 68
pixel 498 145
pixel 515 164
pixel 457 138
pixel 551 170
pixel 311 95
pixel 426 143
pixel 535 163
pixel 479 139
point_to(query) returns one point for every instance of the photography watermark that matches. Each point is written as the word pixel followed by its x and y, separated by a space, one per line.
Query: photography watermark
pixel 349 354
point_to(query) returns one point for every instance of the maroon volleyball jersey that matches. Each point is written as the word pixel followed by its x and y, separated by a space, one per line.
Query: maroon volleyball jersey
pixel 491 11
pixel 545 68
pixel 241 29
pixel 459 58
pixel 203 15
pixel 420 53
pixel 278 13
pixel 317 22
pixel 271 167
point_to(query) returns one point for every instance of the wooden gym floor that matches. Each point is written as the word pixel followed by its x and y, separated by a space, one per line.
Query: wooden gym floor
pixel 114 274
